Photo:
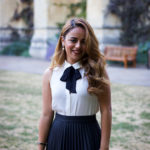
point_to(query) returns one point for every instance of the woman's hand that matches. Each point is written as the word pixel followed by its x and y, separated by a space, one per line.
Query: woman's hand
pixel 41 147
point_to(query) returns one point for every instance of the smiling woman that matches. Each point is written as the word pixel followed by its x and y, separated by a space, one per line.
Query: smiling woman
pixel 76 87
pixel 74 43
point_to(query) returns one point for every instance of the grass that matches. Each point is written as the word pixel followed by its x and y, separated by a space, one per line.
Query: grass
pixel 124 126
pixel 145 115
pixel 19 110
pixel 20 99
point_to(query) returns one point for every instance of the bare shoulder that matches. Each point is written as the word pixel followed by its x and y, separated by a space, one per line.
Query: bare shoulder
pixel 47 74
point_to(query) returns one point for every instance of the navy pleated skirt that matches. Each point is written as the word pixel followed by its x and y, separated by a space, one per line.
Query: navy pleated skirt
pixel 74 133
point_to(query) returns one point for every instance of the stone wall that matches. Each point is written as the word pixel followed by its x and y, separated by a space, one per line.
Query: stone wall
pixel 7 24
pixel 106 26
pixel 47 13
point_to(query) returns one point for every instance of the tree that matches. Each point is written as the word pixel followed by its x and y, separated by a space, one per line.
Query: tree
pixel 135 19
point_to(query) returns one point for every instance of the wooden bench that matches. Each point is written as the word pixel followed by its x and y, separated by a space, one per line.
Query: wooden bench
pixel 121 53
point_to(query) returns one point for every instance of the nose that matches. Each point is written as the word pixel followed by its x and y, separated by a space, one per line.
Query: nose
pixel 78 44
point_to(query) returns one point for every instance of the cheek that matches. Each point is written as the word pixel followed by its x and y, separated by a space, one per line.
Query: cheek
pixel 68 47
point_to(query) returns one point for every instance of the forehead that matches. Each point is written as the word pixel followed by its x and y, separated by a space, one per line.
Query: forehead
pixel 77 32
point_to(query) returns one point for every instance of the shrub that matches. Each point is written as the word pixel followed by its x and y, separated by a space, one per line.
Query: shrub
pixel 144 47
pixel 142 55
pixel 17 48
pixel 135 20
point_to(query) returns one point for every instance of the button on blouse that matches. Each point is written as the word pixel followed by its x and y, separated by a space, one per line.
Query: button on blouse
pixel 80 103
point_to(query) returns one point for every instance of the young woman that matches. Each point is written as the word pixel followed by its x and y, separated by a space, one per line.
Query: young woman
pixel 76 87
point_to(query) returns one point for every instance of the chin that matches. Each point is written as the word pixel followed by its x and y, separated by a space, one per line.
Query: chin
pixel 75 60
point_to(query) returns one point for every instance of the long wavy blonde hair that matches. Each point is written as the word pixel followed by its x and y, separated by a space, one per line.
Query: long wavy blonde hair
pixel 92 61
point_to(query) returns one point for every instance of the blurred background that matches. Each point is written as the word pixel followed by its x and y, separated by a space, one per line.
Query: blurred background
pixel 29 30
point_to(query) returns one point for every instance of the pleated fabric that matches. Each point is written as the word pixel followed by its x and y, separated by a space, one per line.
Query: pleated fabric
pixel 74 133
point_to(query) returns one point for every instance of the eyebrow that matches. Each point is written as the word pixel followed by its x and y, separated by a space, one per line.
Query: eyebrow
pixel 75 38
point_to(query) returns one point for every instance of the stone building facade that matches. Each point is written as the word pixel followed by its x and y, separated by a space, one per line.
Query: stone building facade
pixel 9 25
pixel 47 13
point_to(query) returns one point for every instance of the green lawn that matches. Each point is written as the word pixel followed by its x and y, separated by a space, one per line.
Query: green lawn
pixel 20 107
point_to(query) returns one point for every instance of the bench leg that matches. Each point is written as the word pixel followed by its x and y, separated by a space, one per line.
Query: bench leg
pixel 125 64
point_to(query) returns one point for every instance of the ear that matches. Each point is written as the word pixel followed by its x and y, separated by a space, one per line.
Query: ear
pixel 62 40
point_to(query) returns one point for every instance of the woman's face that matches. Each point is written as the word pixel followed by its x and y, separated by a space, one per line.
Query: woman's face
pixel 74 43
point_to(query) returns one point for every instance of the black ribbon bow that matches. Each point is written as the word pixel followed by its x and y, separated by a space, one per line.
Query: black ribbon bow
pixel 70 76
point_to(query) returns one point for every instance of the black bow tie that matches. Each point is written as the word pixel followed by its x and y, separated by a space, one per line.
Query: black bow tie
pixel 70 76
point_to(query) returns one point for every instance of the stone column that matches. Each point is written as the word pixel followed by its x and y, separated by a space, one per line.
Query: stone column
pixel 104 25
pixel 39 46
pixel 46 15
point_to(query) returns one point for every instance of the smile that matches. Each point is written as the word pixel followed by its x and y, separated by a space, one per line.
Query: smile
pixel 76 51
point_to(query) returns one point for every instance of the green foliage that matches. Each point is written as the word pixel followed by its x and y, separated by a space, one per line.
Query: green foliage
pixel 142 54
pixel 75 10
pixel 144 47
pixel 141 58
pixel 17 48
pixel 134 16
pixel 59 26
pixel 75 7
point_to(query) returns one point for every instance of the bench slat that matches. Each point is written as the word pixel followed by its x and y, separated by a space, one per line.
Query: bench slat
pixel 121 53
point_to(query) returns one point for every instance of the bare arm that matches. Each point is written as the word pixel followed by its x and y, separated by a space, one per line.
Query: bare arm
pixel 47 113
pixel 106 116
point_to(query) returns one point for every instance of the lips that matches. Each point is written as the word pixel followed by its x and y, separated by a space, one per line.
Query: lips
pixel 76 51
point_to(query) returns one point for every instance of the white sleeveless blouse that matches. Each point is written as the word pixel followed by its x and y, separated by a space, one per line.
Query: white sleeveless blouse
pixel 72 104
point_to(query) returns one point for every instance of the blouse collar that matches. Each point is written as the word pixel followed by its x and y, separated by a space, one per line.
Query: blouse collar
pixel 75 65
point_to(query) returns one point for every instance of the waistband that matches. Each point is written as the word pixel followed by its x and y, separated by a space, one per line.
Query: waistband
pixel 91 118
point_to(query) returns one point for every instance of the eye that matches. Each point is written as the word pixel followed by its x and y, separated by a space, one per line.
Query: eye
pixel 73 40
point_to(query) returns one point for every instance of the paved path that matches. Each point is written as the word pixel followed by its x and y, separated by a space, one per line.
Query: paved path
pixel 131 76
